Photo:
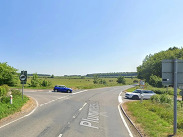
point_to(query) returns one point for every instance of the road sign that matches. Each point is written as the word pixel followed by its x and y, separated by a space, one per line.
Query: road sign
pixel 168 72
pixel 142 83
pixel 23 77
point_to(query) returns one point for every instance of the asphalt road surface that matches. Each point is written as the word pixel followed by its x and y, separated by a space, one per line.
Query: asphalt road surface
pixel 83 113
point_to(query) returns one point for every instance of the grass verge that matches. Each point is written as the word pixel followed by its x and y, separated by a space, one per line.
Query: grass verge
pixel 154 118
pixel 8 109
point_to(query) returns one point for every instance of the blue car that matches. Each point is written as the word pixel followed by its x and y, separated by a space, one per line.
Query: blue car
pixel 62 88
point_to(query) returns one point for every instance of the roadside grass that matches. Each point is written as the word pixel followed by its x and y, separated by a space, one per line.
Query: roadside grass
pixel 156 118
pixel 132 89
pixel 79 83
pixel 7 109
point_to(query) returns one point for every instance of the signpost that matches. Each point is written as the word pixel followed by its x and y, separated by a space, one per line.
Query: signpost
pixel 172 74
pixel 142 85
pixel 23 79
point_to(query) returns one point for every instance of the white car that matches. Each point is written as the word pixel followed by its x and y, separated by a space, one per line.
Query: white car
pixel 146 94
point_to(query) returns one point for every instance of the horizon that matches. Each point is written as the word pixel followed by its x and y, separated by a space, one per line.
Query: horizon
pixel 76 74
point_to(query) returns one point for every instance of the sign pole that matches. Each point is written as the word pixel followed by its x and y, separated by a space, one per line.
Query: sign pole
pixel 23 79
pixel 22 91
pixel 175 96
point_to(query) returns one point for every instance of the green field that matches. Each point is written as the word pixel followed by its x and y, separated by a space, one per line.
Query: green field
pixel 79 83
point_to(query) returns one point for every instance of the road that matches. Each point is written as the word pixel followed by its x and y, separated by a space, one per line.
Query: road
pixel 84 113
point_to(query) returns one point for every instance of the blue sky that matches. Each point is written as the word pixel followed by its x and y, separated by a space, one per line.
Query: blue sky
pixel 70 37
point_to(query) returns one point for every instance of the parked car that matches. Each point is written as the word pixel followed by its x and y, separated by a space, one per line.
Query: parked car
pixel 62 88
pixel 137 94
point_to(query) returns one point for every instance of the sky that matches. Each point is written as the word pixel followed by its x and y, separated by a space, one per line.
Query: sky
pixel 79 37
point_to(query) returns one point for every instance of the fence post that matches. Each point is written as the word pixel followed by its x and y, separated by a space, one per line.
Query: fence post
pixel 11 99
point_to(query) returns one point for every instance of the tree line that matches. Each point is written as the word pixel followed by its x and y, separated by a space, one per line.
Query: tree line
pixel 114 74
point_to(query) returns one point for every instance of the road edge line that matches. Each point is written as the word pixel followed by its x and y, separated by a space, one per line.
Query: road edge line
pixel 130 133
pixel 127 115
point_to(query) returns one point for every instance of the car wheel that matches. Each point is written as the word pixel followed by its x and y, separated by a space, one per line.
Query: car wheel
pixel 56 90
pixel 135 97
pixel 68 91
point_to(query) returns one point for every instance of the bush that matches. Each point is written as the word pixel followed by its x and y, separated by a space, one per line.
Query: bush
pixel 102 82
pixel 121 80
pixel 35 82
pixel 162 90
pixel 95 82
pixel 135 81
pixel 180 124
pixel 155 99
pixel 16 92
pixel 165 99
pixel 5 100
pixel 3 90
pixel 45 83
pixel 155 81
pixel 161 99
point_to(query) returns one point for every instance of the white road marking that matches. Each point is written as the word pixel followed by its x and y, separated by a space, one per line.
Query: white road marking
pixel 90 120
pixel 63 97
pixel 53 100
pixel 23 116
pixel 120 101
pixel 92 117
pixel 87 124
pixel 60 135
pixel 79 92
pixel 80 110
pixel 83 106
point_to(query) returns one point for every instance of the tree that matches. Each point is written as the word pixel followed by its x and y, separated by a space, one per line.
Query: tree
pixel 8 75
pixel 121 80
pixel 152 64
pixel 52 76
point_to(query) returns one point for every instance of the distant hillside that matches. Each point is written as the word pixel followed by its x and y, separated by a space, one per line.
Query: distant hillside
pixel 114 74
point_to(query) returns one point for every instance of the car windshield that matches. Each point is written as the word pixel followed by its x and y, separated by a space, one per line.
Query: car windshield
pixel 136 91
